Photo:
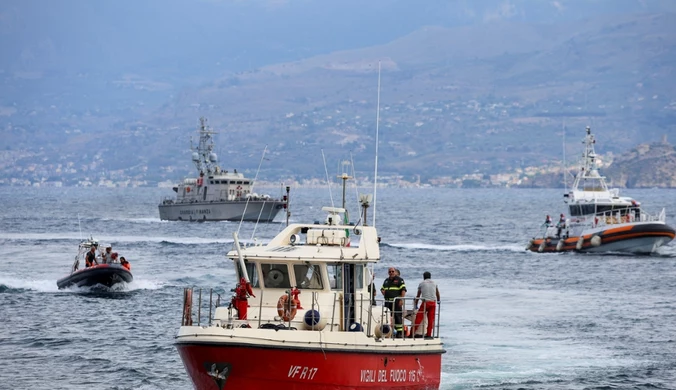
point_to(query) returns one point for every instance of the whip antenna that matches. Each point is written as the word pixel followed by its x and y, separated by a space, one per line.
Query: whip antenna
pixel 375 175
pixel 328 182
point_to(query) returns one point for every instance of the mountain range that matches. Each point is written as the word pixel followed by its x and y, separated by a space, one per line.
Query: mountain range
pixel 465 87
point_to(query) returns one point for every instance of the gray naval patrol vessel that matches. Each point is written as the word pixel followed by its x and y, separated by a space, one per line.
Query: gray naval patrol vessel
pixel 215 194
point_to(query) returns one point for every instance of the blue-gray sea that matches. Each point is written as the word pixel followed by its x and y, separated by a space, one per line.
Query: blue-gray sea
pixel 510 319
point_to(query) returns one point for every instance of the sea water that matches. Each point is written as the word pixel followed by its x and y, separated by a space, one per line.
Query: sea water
pixel 510 319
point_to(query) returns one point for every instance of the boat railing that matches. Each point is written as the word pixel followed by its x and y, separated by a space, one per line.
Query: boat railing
pixel 607 218
pixel 630 214
pixel 411 315
pixel 192 313
pixel 188 312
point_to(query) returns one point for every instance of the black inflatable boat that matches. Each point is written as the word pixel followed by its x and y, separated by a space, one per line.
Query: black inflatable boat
pixel 103 274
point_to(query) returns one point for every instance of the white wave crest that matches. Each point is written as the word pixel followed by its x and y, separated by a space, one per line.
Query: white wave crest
pixel 29 284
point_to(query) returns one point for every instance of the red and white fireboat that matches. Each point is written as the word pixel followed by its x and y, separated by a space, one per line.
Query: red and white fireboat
pixel 303 317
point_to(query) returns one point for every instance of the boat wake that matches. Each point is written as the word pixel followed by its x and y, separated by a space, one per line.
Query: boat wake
pixel 459 247
pixel 9 285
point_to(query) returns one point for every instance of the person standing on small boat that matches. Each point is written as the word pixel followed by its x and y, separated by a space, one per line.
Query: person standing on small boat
pixel 428 291
pixel 106 258
pixel 90 258
pixel 548 221
pixel 561 225
pixel 393 288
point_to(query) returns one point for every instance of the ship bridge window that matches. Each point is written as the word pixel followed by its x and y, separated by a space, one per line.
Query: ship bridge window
pixel 276 275
pixel 308 276
pixel 239 182
pixel 592 185
pixel 252 271
pixel 246 183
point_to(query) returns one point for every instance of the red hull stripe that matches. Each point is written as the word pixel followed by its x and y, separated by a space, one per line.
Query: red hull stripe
pixel 237 367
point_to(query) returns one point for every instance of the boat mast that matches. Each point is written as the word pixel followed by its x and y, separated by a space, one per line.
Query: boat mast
pixel 345 177
pixel 203 157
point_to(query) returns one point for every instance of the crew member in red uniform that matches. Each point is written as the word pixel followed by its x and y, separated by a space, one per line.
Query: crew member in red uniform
pixel 242 292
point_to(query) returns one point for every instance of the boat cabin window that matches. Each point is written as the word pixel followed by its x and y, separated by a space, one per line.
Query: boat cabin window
pixel 585 209
pixel 308 276
pixel 335 272
pixel 359 276
pixel 590 209
pixel 252 271
pixel 276 275
pixel 594 184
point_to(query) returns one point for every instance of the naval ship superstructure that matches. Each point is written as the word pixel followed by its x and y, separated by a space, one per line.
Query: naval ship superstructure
pixel 216 194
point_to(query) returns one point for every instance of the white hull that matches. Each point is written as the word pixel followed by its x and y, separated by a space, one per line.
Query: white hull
pixel 254 210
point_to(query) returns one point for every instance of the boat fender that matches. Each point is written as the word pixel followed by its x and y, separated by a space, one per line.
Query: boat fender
pixel 596 240
pixel 531 242
pixel 355 327
pixel 559 246
pixel 383 331
pixel 285 309
pixel 312 320
pixel 542 246
pixel 580 241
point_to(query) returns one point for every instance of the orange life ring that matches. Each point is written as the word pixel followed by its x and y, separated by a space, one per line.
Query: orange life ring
pixel 285 309
pixel 187 189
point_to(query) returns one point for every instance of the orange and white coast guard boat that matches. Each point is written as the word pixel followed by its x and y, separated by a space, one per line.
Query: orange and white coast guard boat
pixel 600 220
pixel 306 319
